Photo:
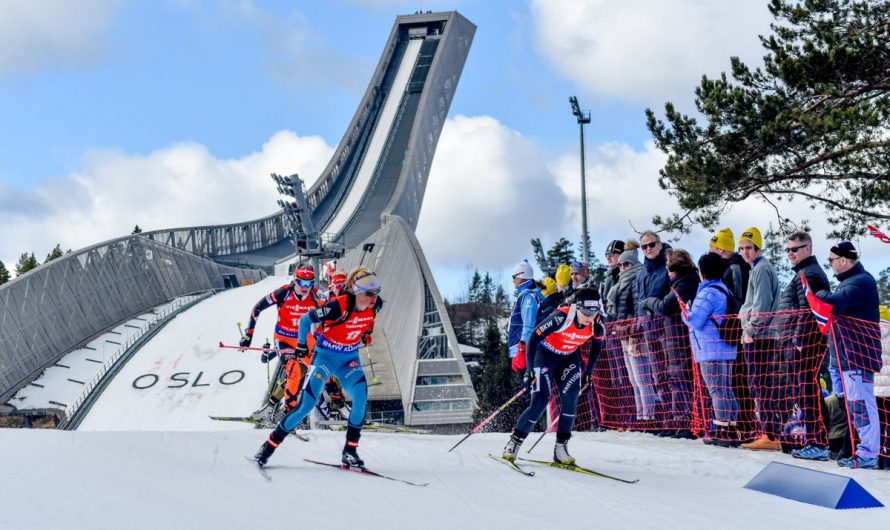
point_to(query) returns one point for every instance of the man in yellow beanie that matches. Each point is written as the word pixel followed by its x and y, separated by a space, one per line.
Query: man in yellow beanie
pixel 723 240
pixel 759 340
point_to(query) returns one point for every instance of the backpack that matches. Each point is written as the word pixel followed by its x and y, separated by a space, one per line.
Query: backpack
pixel 730 329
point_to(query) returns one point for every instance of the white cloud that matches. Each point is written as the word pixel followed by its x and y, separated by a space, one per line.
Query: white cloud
pixel 181 185
pixel 51 33
pixel 647 50
pixel 489 192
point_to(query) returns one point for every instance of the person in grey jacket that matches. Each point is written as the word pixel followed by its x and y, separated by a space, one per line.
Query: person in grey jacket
pixel 622 304
pixel 759 341
pixel 804 347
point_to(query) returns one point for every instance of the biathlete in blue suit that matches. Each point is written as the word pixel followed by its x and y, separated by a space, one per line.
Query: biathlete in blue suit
pixel 344 324
pixel 554 359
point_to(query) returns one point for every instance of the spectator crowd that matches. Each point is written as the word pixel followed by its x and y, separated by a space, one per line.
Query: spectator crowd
pixel 712 348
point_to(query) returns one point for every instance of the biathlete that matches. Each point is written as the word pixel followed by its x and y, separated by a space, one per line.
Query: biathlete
pixel 293 301
pixel 342 325
pixel 554 359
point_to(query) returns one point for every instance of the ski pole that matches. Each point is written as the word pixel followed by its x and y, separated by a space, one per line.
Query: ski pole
pixel 543 434
pixel 371 365
pixel 488 419
pixel 249 348
pixel 268 372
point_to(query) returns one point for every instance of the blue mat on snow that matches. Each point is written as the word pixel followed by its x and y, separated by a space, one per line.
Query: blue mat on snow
pixel 813 487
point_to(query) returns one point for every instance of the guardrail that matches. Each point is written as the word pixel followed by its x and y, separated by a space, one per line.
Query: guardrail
pixel 164 316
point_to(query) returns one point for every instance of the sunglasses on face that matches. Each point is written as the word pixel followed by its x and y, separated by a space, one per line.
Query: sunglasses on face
pixel 371 294
pixel 832 260
pixel 587 311
pixel 624 265
pixel 793 250
pixel 647 246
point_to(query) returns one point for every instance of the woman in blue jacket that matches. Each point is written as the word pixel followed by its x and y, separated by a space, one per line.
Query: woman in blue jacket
pixel 714 356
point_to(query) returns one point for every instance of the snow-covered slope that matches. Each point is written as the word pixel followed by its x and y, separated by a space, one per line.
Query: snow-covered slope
pixel 181 376
pixel 201 480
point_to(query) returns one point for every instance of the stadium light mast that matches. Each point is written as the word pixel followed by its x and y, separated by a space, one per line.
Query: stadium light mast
pixel 583 119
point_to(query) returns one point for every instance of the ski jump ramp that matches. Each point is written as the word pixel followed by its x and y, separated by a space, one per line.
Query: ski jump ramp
pixel 371 191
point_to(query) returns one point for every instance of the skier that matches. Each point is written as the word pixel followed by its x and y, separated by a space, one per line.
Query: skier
pixel 293 301
pixel 554 358
pixel 342 324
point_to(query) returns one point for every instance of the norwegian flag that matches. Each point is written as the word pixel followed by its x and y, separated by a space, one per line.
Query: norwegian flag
pixel 878 234
pixel 821 310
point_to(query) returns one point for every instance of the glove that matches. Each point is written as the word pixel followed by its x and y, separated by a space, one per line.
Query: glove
pixel 366 339
pixel 267 355
pixel 245 340
pixel 528 380
pixel 518 362
pixel 301 351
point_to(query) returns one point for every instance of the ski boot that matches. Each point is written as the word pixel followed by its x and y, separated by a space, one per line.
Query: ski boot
pixel 561 454
pixel 265 414
pixel 266 450
pixel 350 456
pixel 511 450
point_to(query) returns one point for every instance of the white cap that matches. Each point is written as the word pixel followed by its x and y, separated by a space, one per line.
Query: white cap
pixel 523 271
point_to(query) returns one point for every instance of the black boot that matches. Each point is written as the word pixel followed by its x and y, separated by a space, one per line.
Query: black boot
pixel 262 456
pixel 350 456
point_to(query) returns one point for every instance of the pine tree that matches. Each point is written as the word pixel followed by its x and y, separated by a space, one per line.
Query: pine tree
pixel 475 285
pixel 4 273
pixel 884 286
pixel 774 251
pixel 561 252
pixel 810 125
pixel 26 263
pixel 486 292
pixel 497 383
pixel 55 253
pixel 136 230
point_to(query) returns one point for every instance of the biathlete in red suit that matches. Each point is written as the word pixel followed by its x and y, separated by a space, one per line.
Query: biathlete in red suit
pixel 554 359
pixel 293 301
pixel 344 324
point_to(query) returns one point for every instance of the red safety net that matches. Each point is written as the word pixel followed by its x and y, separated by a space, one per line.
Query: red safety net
pixel 654 375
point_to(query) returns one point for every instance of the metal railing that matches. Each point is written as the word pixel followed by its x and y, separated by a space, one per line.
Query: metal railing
pixel 164 316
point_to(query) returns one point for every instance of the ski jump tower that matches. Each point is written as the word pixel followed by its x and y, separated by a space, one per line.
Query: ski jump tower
pixel 367 201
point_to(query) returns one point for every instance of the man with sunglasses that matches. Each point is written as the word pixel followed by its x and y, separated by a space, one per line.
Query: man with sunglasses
pixel 856 347
pixel 554 359
pixel 802 345
pixel 613 252
pixel 292 301
pixel 524 315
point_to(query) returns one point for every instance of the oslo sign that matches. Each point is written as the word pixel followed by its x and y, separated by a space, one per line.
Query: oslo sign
pixel 184 379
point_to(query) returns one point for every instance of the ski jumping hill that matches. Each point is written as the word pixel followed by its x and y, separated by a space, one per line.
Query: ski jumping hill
pixel 201 480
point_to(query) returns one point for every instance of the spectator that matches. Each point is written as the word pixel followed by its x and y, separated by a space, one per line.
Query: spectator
pixel 551 298
pixel 759 341
pixel 684 280
pixel 803 344
pixel 524 315
pixel 735 276
pixel 613 252
pixel 714 356
pixel 653 282
pixel 856 348
pixel 622 301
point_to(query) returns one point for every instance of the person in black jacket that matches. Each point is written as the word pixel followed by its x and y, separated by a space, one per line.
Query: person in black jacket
pixel 684 279
pixel 804 348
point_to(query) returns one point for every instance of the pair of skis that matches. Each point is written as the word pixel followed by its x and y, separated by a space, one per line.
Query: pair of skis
pixel 259 424
pixel 264 471
pixel 568 467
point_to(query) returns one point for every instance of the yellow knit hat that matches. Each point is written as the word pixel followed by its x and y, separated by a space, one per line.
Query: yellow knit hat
pixel 885 312
pixel 753 235
pixel 564 275
pixel 549 286
pixel 724 240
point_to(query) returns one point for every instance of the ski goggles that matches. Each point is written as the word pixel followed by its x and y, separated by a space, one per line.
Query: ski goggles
pixel 367 285
pixel 589 308
pixel 305 283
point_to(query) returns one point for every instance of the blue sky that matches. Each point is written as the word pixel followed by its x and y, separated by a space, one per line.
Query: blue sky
pixel 173 112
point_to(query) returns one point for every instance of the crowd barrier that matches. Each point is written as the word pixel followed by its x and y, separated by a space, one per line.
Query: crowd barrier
pixel 648 378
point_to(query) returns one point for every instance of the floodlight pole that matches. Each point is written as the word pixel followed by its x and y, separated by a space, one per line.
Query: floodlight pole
pixel 583 119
